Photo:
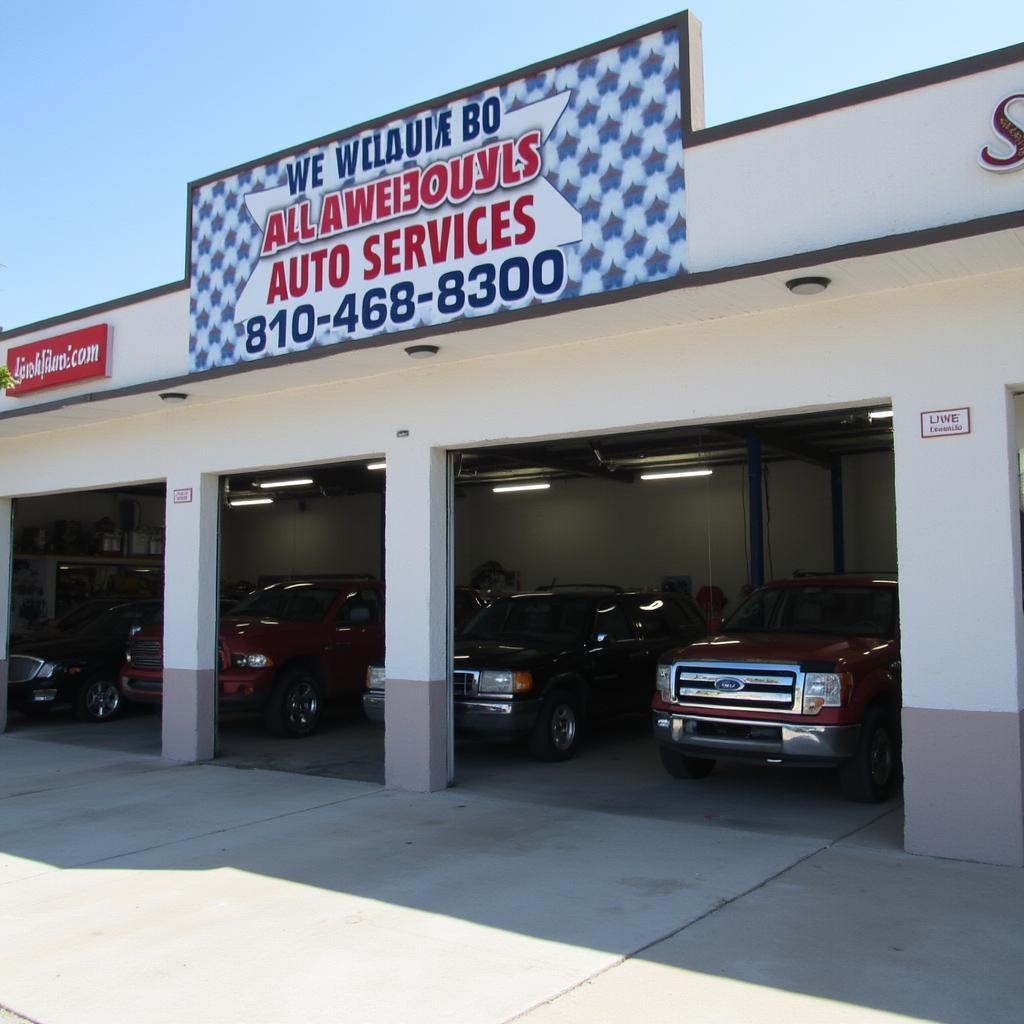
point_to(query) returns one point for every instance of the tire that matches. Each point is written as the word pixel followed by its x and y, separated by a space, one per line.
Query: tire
pixel 295 704
pixel 98 700
pixel 556 735
pixel 681 766
pixel 870 775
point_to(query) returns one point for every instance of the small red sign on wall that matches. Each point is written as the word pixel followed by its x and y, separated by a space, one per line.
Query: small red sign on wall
pixel 62 359
pixel 946 422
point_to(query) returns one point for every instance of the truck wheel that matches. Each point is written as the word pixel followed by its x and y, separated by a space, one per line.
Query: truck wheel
pixel 870 775
pixel 294 706
pixel 557 732
pixel 99 700
pixel 680 766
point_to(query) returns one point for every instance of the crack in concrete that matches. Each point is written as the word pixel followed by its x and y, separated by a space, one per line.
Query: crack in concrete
pixel 719 905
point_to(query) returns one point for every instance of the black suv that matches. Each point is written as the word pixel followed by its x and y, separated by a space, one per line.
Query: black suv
pixel 538 665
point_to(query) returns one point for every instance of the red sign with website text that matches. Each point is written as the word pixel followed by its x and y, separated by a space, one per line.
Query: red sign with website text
pixel 62 359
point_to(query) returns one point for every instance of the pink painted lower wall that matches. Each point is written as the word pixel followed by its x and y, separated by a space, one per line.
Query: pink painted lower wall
pixel 964 784
pixel 416 736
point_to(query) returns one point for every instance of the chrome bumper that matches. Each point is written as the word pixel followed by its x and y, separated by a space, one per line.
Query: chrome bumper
pixel 746 739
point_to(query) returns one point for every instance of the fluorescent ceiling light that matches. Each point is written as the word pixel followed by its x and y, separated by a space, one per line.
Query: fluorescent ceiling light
pixel 239 502
pixel 376 465
pixel 507 489
pixel 675 474
pixel 266 485
pixel 880 414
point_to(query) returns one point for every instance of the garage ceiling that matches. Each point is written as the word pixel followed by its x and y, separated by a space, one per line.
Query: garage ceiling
pixel 816 438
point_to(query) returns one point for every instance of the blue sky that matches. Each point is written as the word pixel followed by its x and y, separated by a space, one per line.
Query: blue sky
pixel 109 108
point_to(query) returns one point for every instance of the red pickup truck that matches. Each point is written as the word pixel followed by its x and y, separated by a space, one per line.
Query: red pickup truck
pixel 283 650
pixel 805 672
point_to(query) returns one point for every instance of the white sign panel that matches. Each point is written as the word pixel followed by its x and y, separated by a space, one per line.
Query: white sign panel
pixel 945 422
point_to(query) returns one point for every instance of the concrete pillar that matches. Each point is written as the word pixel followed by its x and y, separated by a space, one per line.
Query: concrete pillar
pixel 962 631
pixel 6 549
pixel 191 582
pixel 416 559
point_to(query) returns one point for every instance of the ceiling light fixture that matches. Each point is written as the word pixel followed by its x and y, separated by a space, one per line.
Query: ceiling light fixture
pixel 173 396
pixel 880 414
pixel 421 351
pixel 675 474
pixel 266 485
pixel 239 502
pixel 376 465
pixel 509 488
pixel 808 285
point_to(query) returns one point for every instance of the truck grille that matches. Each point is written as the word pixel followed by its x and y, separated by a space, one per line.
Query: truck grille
pixel 147 654
pixel 724 686
pixel 464 682
pixel 22 668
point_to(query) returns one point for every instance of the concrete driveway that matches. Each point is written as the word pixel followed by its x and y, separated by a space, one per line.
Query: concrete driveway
pixel 598 890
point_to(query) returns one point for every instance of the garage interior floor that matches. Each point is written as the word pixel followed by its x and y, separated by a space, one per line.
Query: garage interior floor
pixel 617 770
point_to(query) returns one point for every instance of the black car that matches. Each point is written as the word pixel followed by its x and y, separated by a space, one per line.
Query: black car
pixel 538 665
pixel 77 670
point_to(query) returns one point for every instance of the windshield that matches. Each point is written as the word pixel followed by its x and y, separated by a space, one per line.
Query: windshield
pixel 118 621
pixel 840 611
pixel 562 620
pixel 291 602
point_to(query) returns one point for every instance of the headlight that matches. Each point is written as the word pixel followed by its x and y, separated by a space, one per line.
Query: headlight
pixel 375 677
pixel 826 690
pixel 251 661
pixel 47 670
pixel 665 682
pixel 504 682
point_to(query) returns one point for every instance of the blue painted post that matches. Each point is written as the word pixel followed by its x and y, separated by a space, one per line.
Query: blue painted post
pixel 838 531
pixel 756 514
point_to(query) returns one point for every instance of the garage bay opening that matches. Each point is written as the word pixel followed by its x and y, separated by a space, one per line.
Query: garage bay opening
pixel 584 566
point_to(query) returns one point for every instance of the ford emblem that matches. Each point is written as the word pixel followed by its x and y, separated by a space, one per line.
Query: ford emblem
pixel 731 685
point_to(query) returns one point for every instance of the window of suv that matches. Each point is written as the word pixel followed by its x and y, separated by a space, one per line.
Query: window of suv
pixel 612 621
pixel 360 609
pixel 839 610
pixel 541 616
pixel 290 602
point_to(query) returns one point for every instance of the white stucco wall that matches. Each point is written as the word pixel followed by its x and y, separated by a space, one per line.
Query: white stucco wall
pixel 955 495
pixel 149 340
pixel 893 165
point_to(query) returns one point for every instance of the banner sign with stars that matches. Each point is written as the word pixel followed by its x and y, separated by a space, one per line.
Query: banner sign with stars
pixel 562 184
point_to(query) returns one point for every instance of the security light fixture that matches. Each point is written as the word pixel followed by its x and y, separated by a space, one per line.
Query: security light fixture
pixel 509 488
pixel 173 396
pixel 267 485
pixel 376 465
pixel 880 414
pixel 421 351
pixel 675 474
pixel 808 285
pixel 239 502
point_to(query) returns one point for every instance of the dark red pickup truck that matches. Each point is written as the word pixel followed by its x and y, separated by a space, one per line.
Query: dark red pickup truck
pixel 806 671
pixel 283 650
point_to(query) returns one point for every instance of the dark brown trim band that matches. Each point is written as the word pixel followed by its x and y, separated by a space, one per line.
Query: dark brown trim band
pixel 675 21
pixel 794 262
pixel 101 307
pixel 861 94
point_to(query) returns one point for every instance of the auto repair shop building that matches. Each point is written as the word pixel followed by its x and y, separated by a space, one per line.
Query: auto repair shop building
pixel 588 260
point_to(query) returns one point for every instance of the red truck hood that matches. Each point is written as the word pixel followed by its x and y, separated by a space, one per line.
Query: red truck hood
pixel 783 647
